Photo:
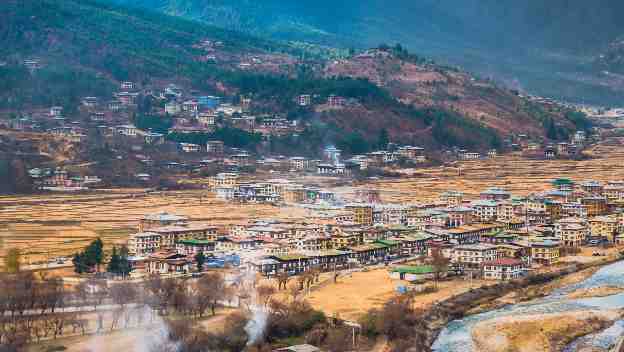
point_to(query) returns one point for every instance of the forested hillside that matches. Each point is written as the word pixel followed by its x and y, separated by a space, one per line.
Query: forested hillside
pixel 86 48
pixel 534 44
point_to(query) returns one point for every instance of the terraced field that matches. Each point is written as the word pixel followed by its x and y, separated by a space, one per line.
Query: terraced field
pixel 43 227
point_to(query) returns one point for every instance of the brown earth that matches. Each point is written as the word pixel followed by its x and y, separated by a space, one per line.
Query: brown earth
pixel 427 85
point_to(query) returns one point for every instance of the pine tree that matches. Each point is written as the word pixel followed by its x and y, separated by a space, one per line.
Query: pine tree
pixel 200 259
pixel 78 261
pixel 383 139
pixel 124 264
pixel 114 263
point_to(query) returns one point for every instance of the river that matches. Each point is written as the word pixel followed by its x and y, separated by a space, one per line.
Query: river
pixel 456 336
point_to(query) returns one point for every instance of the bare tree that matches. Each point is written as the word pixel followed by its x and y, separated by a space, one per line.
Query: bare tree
pixel 265 292
pixel 212 287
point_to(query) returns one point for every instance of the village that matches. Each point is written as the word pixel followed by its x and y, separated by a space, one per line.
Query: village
pixel 162 135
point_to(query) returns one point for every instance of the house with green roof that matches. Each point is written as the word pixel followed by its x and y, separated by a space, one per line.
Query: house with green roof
pixel 369 253
pixel 414 273
pixel 562 183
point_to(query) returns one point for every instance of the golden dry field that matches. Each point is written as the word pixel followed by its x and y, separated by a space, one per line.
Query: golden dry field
pixel 517 174
pixel 48 226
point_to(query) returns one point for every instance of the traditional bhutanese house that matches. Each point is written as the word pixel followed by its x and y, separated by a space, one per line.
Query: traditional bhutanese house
pixel 614 191
pixel 415 273
pixel 553 209
pixel 572 232
pixel 596 206
pixel 266 266
pixel 393 246
pixel 314 243
pixel 498 237
pixel 395 230
pixel 505 211
pixel 369 253
pixel 562 196
pixel 143 243
pixel 374 233
pixel 563 184
pixel 436 245
pixel 485 210
pixel 167 263
pixel 459 216
pixel 574 210
pixel 471 233
pixel 160 219
pixel 232 243
pixel 272 232
pixel 604 227
pixel 173 233
pixel 293 263
pixel 503 269
pixel 545 252
pixel 572 235
pixel 438 234
pixel 329 259
pixel 276 248
pixel 414 243
pixel 515 250
pixel 471 256
pixel 422 219
pixel 452 198
pixel 193 247
pixel 514 223
pixel 345 237
pixel 495 194
pixel 362 213
pixel 592 187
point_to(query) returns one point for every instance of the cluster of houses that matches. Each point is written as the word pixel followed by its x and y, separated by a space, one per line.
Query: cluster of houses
pixel 228 186
pixel 59 179
pixel 496 236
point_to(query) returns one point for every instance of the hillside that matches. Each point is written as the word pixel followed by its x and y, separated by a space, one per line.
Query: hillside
pixel 85 48
pixel 537 45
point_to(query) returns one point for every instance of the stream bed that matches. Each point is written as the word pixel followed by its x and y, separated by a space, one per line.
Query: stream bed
pixel 456 336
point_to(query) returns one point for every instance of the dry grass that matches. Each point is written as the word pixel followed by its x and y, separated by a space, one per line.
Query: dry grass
pixel 354 295
pixel 541 332
pixel 43 229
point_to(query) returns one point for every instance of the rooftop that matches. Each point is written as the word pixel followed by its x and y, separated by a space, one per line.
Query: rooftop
pixel 418 270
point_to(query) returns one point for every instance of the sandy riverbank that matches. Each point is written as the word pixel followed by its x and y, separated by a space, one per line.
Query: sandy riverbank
pixel 600 291
pixel 539 332
pixel 534 291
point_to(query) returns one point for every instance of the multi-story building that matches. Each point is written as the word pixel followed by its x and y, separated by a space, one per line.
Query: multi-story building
pixel 472 256
pixel 193 247
pixel 452 198
pixel 605 227
pixel 362 213
pixel 503 269
pixel 545 252
pixel 595 205
pixel 485 210
pixel 495 193
pixel 144 243
pixel 459 216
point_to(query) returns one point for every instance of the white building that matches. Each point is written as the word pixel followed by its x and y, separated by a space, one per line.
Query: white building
pixel 503 269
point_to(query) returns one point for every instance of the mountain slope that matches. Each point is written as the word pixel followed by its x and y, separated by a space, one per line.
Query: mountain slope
pixel 541 45
pixel 87 48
